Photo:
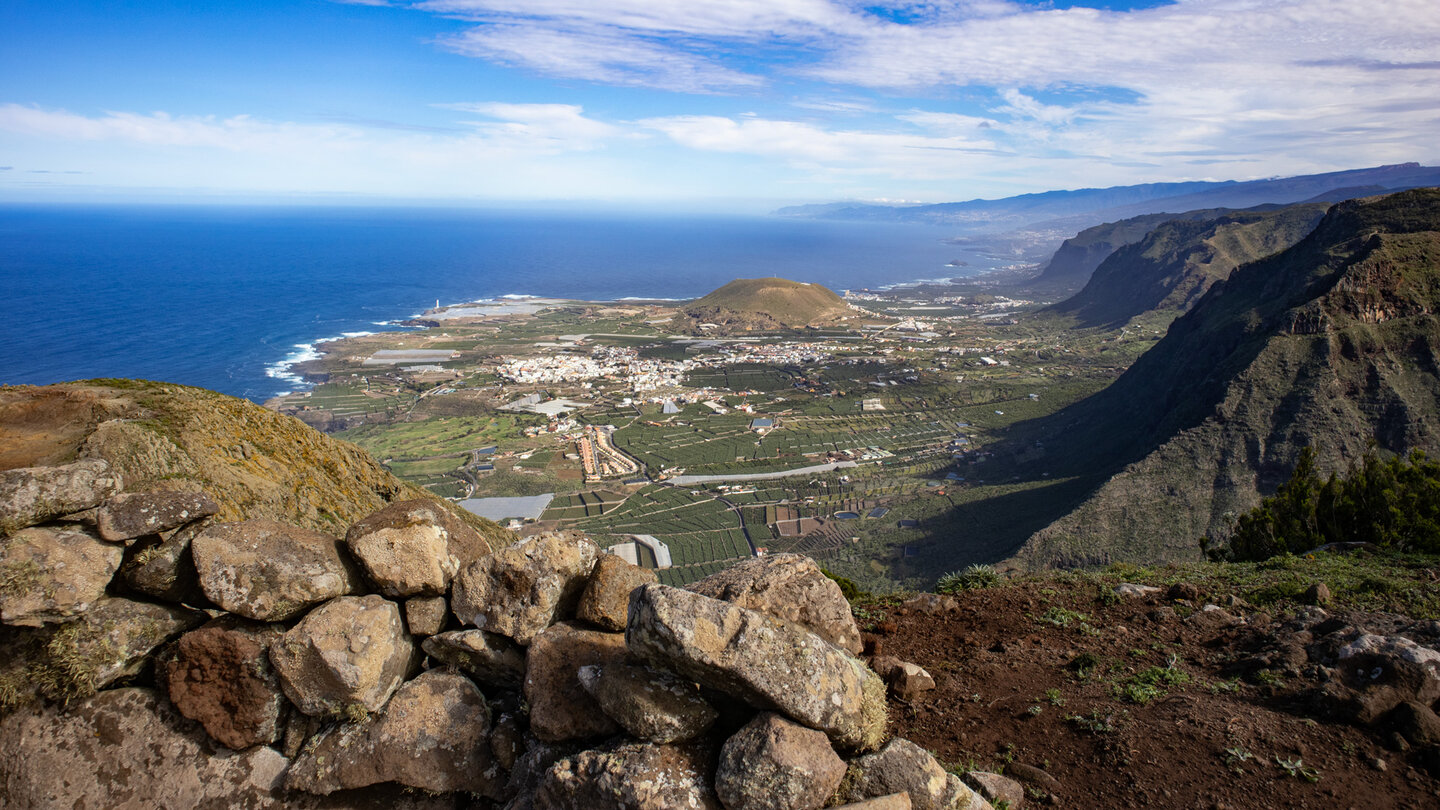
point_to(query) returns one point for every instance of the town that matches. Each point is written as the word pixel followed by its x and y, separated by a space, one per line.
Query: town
pixel 853 442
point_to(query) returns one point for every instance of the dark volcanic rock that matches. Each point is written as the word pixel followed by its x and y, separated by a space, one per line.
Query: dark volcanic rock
pixel 636 776
pixel 560 708
pixel 490 659
pixel 220 676
pixel 650 704
pixel 432 736
pixel 775 764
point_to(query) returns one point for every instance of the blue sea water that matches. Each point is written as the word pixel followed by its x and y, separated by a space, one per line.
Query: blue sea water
pixel 219 297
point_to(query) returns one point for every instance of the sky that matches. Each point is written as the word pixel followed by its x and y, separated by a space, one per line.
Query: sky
pixel 699 103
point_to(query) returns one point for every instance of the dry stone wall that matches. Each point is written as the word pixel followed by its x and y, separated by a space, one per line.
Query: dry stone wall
pixel 153 654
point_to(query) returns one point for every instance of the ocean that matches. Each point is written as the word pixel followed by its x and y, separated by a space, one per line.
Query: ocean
pixel 226 297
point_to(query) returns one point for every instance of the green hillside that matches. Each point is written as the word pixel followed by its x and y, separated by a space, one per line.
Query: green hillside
pixel 1331 344
pixel 1172 266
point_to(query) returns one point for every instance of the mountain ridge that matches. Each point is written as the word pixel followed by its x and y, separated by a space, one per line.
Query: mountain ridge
pixel 1331 343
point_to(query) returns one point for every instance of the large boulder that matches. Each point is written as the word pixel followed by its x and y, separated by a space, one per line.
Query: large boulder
pixel 560 708
pixel 269 571
pixel 903 766
pixel 350 652
pixel 52 575
pixel 637 776
pixel 114 640
pixel 414 547
pixel 128 748
pixel 220 676
pixel 126 517
pixel 490 659
pixel 789 587
pixel 606 598
pixel 764 662
pixel 520 590
pixel 31 495
pixel 650 704
pixel 432 736
pixel 775 764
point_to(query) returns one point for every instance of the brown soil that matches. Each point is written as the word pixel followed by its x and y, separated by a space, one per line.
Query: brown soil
pixel 995 659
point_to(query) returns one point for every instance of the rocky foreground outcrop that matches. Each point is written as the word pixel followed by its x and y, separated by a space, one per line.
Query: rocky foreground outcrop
pixel 154 653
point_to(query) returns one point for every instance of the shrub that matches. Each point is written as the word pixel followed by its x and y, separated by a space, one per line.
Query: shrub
pixel 974 576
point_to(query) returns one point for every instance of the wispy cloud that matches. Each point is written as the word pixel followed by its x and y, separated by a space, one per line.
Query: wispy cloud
pixel 601 55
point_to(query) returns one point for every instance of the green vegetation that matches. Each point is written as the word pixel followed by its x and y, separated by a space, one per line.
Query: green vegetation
pixel 431 437
pixel 977 575
pixel 1393 503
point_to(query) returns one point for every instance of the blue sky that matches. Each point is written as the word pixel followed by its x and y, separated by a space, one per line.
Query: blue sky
pixel 701 103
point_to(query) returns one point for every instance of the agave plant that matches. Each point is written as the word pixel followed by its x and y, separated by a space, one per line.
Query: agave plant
pixel 974 576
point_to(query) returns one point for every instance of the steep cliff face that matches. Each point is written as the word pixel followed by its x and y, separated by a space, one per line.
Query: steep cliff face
pixel 257 463
pixel 1078 257
pixel 1168 269
pixel 1332 344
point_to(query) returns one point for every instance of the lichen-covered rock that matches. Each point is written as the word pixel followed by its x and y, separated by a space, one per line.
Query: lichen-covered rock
pixel 908 680
pixel 606 598
pixel 52 575
pixel 220 676
pixel 128 748
pixel 126 517
pixel 895 801
pixel 351 651
pixel 789 587
pixel 268 571
pixel 31 495
pixel 775 764
pixel 560 708
pixel 995 788
pixel 652 705
pixel 114 639
pixel 414 547
pixel 904 766
pixel 162 567
pixel 522 589
pixel 490 659
pixel 637 776
pixel 432 736
pixel 764 662
pixel 425 615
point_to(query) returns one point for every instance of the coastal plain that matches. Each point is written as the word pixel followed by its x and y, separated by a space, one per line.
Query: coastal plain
pixel 854 430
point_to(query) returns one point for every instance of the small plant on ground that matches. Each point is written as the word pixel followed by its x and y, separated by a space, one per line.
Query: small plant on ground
pixel 974 576
pixel 1095 723
pixel 1062 617
pixel 1296 768
pixel 1235 756
pixel 1053 695
pixel 1035 710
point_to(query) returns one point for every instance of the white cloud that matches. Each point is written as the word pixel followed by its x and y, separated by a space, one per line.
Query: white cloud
pixel 811 147
pixel 1232 78
pixel 550 124
pixel 599 55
